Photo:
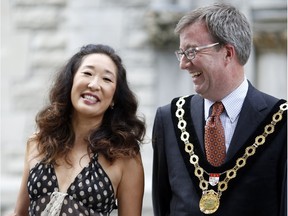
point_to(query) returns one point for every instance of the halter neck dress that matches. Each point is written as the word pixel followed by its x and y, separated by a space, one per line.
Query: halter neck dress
pixel 91 192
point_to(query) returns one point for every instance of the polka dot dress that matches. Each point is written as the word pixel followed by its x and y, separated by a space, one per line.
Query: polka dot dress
pixel 91 193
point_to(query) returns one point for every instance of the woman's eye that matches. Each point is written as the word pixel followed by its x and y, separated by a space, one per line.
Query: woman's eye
pixel 87 73
pixel 107 79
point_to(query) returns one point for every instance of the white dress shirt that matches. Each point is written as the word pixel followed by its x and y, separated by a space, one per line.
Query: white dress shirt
pixel 233 104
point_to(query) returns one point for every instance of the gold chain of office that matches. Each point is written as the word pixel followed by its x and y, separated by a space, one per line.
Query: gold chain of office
pixel 210 200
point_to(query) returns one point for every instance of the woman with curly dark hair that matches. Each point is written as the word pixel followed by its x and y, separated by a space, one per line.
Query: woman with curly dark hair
pixel 85 157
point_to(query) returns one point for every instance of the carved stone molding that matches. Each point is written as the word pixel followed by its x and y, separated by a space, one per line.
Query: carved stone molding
pixel 271 40
pixel 270 26
pixel 160 27
pixel 270 31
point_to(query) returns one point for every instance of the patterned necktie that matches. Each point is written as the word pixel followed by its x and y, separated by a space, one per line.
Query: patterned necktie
pixel 215 137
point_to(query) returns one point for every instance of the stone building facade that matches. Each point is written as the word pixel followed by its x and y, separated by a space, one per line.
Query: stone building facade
pixel 37 37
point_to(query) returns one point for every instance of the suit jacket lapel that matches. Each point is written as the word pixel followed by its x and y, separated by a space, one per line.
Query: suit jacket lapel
pixel 197 113
pixel 253 112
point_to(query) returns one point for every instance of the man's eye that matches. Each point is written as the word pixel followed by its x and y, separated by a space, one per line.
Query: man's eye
pixel 190 52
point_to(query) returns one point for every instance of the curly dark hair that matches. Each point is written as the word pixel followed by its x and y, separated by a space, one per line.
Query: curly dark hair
pixel 121 131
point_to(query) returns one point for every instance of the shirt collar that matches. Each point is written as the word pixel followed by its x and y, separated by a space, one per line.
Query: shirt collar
pixel 232 102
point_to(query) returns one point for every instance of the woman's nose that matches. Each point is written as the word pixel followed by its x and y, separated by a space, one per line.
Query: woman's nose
pixel 94 84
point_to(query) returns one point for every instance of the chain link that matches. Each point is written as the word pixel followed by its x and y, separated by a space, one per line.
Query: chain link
pixel 240 162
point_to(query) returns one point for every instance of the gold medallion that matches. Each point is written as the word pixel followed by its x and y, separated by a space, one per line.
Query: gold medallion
pixel 209 202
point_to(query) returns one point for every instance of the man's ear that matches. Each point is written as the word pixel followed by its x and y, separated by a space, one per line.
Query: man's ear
pixel 230 52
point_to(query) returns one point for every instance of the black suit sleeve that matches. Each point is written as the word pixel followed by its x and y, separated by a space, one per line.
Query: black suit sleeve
pixel 161 191
pixel 283 208
pixel 283 203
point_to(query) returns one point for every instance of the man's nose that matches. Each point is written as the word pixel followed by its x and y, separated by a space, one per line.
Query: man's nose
pixel 184 63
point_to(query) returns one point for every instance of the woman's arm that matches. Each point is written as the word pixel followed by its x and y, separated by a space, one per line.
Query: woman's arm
pixel 131 188
pixel 22 203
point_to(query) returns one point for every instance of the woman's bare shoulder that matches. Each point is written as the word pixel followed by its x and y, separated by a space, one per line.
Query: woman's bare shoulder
pixel 131 162
pixel 32 152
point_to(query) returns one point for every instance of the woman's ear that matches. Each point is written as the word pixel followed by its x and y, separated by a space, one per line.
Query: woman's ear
pixel 112 105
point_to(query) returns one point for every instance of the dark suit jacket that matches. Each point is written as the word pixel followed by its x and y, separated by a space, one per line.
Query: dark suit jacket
pixel 259 189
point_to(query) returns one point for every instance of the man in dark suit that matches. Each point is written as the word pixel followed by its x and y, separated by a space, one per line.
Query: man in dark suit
pixel 188 179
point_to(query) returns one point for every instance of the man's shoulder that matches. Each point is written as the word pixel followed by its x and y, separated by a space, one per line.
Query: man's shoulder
pixel 261 98
pixel 255 91
pixel 167 106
